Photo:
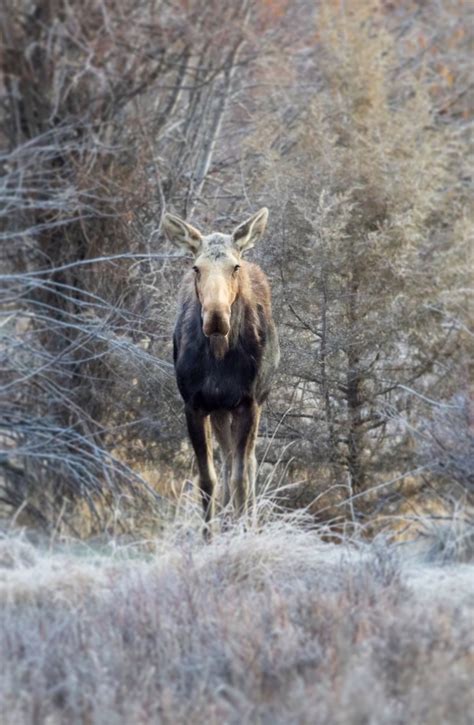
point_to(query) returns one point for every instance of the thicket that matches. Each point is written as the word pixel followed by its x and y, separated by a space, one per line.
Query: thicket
pixel 350 123
pixel 269 626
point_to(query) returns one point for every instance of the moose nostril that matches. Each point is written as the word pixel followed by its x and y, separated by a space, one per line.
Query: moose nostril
pixel 224 327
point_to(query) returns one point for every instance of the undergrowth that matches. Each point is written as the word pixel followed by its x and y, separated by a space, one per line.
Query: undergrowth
pixel 265 625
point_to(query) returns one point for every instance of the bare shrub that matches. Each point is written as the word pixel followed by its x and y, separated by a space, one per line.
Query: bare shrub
pixel 106 107
pixel 264 626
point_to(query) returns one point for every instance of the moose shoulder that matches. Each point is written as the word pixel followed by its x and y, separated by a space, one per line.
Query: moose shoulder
pixel 225 352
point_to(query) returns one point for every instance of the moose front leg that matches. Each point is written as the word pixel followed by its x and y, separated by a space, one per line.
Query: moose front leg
pixel 245 419
pixel 199 428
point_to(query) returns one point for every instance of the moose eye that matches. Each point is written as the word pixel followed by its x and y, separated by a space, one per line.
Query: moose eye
pixel 236 268
pixel 196 269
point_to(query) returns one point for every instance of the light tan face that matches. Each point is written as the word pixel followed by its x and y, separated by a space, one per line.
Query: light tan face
pixel 216 266
pixel 216 271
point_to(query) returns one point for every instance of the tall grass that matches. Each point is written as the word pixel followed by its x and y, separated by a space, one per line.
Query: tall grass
pixel 269 625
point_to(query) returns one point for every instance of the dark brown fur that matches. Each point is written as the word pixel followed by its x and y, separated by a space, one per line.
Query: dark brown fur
pixel 230 389
pixel 225 352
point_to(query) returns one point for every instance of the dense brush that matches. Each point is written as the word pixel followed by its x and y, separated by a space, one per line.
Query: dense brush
pixel 268 625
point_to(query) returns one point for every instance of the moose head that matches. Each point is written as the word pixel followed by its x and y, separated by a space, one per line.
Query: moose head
pixel 217 267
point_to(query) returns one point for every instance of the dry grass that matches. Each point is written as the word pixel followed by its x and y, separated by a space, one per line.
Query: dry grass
pixel 264 626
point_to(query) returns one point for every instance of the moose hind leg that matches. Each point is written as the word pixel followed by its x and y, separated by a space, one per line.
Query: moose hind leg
pixel 199 428
pixel 221 426
pixel 244 432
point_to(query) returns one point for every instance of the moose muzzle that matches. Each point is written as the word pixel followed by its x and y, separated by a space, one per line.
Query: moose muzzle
pixel 216 321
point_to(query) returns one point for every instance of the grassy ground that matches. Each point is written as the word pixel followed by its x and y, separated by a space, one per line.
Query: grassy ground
pixel 269 626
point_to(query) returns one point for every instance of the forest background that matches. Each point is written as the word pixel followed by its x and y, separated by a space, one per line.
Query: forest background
pixel 350 121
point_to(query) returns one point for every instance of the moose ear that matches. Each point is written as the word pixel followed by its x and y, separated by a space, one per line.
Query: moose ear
pixel 246 234
pixel 181 233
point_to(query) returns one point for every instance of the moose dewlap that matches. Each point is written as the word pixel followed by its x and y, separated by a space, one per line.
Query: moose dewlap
pixel 225 352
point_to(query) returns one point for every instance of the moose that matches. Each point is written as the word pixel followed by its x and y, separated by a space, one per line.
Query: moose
pixel 226 351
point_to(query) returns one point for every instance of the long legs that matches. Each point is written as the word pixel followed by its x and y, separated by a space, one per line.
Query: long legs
pixel 245 419
pixel 236 433
pixel 221 426
pixel 199 428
